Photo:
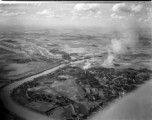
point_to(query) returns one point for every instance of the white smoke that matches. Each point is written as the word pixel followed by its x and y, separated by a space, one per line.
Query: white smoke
pixel 87 65
pixel 127 44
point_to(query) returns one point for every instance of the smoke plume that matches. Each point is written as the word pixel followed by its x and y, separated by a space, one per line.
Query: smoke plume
pixel 126 44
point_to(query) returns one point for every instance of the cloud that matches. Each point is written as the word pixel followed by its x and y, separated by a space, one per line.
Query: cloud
pixel 74 17
pixel 19 13
pixel 74 13
pixel 2 11
pixel 86 7
pixel 149 13
pixel 124 8
pixel 45 12
pixel 119 7
pixel 137 8
pixel 37 4
pixel 31 16
pixel 99 13
pixel 147 20
pixel 84 18
pixel 78 16
pixel 149 9
pixel 54 16
pixel 6 13
pixel 121 17
pixel 115 16
pixel 140 19
pixel 49 14
pixel 83 8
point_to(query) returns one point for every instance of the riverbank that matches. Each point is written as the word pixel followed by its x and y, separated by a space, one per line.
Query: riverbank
pixel 28 75
pixel 20 110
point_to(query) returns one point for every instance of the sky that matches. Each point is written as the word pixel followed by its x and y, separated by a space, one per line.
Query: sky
pixel 76 13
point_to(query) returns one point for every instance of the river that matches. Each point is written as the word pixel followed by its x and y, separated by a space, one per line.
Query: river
pixel 18 109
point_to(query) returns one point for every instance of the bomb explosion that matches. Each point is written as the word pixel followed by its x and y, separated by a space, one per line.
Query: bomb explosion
pixel 127 44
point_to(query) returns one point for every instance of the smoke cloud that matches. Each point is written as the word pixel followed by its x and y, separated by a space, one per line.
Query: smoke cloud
pixel 126 44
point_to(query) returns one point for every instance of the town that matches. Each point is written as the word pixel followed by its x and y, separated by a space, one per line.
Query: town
pixel 74 93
